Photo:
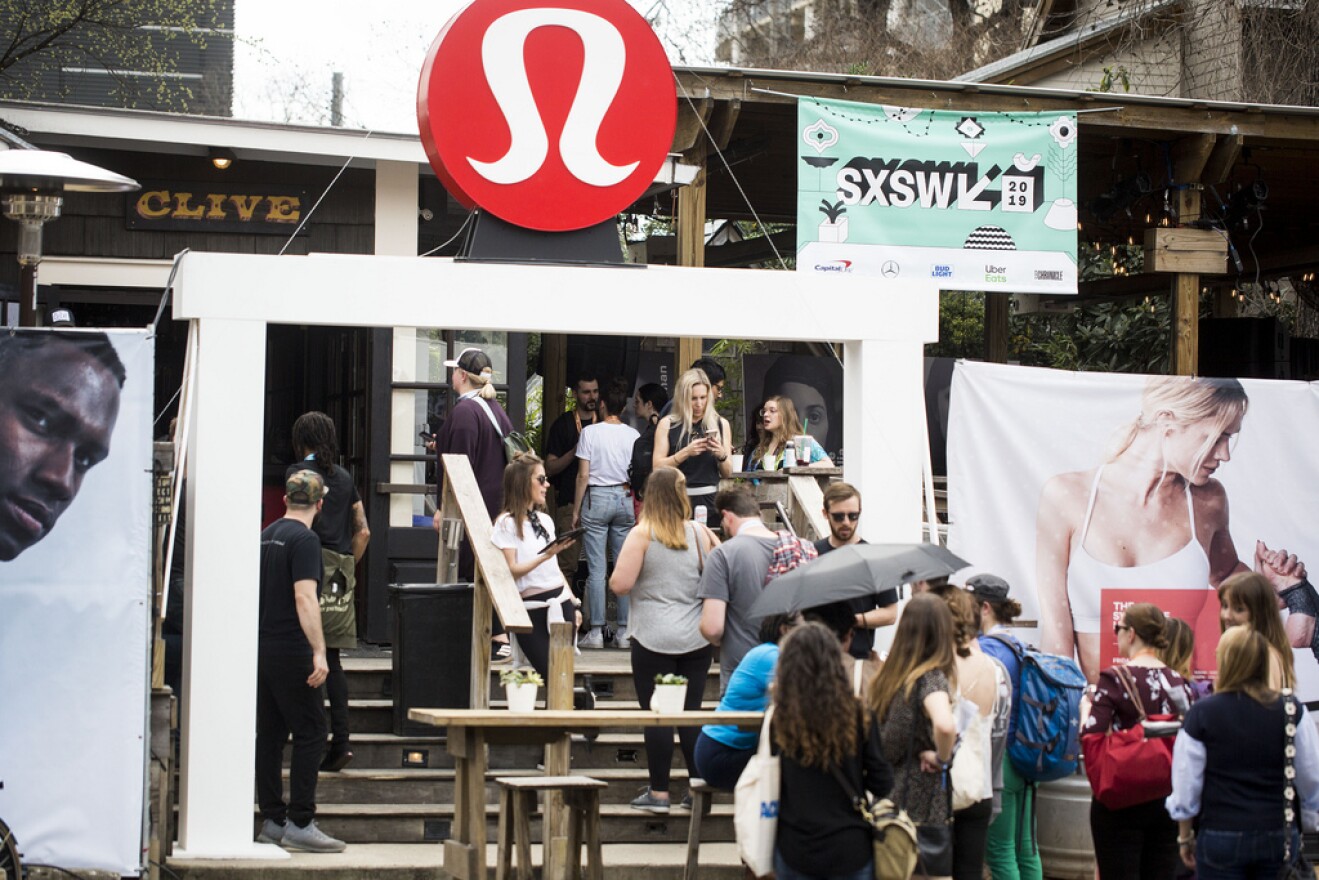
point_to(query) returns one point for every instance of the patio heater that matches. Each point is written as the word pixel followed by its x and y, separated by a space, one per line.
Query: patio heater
pixel 32 187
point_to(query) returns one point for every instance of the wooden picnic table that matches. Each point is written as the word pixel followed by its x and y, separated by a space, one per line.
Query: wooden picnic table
pixel 470 729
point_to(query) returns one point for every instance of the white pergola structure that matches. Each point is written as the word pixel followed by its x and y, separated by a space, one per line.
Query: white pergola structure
pixel 882 324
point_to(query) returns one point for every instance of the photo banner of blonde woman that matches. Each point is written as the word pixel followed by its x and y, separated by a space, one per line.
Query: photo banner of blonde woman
pixel 1090 491
pixel 75 593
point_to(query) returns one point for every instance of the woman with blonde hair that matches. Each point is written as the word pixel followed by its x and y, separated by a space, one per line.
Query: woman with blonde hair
pixel 912 698
pixel 829 753
pixel 1231 770
pixel 659 569
pixel 779 424
pixel 696 440
pixel 524 532
pixel 1153 516
pixel 1247 599
pixel 1137 841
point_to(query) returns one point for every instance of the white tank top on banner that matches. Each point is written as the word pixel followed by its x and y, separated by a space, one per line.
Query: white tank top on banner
pixel 1187 569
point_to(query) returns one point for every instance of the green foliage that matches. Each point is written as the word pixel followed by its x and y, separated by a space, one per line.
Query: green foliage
pixel 961 326
pixel 43 37
pixel 1115 337
pixel 670 678
pixel 521 676
pixel 1117 75
pixel 729 352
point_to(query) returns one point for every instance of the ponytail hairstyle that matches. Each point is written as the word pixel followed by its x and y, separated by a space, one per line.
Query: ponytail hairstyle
pixel 314 434
pixel 1004 610
pixel 1181 647
pixel 483 383
pixel 1187 400
pixel 1148 623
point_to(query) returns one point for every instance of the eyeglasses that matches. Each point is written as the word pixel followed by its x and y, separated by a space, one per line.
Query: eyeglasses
pixel 1118 627
pixel 845 517
pixel 542 479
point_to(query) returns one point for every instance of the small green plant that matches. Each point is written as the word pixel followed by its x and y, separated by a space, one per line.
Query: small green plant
pixel 521 676
pixel 670 678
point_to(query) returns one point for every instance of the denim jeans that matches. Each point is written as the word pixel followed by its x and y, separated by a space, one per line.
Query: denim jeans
pixel 1241 855
pixel 784 871
pixel 607 516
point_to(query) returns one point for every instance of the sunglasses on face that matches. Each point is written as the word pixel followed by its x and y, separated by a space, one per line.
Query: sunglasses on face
pixel 542 479
pixel 845 517
pixel 1118 627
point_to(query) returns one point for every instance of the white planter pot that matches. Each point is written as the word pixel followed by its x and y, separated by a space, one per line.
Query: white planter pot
pixel 835 232
pixel 521 697
pixel 668 698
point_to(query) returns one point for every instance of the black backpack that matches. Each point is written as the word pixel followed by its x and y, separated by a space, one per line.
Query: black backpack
pixel 643 458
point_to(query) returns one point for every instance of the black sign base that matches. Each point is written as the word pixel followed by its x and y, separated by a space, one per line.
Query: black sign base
pixel 492 240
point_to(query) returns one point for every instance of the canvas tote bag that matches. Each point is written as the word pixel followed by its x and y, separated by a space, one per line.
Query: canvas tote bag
pixel 756 806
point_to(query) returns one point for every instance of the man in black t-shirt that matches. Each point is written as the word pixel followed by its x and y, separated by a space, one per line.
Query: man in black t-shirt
pixel 561 462
pixel 291 668
pixel 842 507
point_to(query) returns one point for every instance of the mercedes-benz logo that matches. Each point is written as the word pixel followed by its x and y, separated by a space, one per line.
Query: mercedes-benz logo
pixel 889 269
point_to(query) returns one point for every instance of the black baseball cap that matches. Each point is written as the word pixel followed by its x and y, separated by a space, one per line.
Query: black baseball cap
pixel 472 360
pixel 988 587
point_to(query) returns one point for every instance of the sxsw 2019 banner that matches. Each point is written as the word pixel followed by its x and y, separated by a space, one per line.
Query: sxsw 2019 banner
pixel 1091 491
pixel 971 201
pixel 75 593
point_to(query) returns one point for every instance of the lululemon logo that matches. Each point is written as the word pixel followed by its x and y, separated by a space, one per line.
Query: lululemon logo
pixel 550 117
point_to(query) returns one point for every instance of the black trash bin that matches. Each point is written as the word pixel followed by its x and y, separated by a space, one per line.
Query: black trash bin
pixel 432 668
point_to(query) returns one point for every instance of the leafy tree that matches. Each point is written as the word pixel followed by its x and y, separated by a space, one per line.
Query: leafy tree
pixel 42 41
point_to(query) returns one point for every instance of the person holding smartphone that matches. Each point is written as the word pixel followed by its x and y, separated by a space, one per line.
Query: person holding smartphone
pixel 524 532
pixel 697 441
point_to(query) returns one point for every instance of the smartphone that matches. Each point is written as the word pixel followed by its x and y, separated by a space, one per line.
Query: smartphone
pixel 570 535
pixel 426 436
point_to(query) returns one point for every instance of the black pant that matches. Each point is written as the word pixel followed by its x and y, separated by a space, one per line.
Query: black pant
pixel 285 703
pixel 336 688
pixel 1134 843
pixel 536 644
pixel 646 664
pixel 970 828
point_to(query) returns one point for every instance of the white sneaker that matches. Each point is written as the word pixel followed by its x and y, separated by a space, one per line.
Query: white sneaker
pixel 623 640
pixel 593 639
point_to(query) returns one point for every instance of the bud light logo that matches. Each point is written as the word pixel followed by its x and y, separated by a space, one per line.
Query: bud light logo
pixel 941 271
pixel 834 266
pixel 549 117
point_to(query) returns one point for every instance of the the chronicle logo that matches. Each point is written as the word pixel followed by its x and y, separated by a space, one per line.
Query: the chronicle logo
pixel 834 266
pixel 1048 275
pixel 937 271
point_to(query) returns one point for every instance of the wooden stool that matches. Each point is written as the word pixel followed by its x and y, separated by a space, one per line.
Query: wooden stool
pixel 517 801
pixel 702 794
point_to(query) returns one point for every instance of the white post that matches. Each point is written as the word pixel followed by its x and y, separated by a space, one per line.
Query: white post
pixel 220 626
pixel 884 436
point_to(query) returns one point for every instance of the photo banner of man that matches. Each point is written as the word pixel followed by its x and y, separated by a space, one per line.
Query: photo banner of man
pixel 75 593
pixel 1073 484
pixel 813 383
pixel 976 201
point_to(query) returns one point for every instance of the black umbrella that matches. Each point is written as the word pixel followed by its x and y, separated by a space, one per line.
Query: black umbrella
pixel 853 571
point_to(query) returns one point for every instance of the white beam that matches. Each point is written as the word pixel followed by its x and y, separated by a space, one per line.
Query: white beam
pixel 105 272
pixel 222 565
pixel 362 291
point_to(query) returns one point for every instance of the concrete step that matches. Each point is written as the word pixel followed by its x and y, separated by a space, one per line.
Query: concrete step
pixel 384 751
pixel 424 861
pixel 421 823
pixel 437 786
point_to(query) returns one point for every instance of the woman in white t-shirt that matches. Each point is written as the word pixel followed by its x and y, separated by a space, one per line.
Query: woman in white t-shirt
pixel 525 533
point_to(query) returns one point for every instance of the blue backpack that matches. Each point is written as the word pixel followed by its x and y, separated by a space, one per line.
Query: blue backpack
pixel 1046 745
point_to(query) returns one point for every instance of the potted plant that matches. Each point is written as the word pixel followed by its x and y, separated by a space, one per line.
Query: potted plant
pixel 670 694
pixel 520 686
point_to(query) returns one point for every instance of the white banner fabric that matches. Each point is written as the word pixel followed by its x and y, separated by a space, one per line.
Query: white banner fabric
pixel 75 603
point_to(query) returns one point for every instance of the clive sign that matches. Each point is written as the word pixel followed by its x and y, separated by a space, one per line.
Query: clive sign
pixel 974 201
pixel 549 117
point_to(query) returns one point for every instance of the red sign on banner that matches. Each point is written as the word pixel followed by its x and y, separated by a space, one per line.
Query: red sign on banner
pixel 1199 608
pixel 550 118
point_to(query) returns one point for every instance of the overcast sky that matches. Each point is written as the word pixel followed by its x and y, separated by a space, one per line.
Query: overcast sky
pixel 288 50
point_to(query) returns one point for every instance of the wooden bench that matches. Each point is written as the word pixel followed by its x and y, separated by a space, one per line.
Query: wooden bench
pixel 702 794
pixel 517 801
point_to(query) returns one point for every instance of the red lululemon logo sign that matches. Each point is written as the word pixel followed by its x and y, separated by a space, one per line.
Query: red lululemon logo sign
pixel 549 117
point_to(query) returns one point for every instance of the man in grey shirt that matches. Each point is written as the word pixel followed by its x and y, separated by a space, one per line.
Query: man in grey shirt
pixel 734 576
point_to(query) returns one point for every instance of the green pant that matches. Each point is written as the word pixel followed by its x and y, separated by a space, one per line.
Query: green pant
pixel 1007 857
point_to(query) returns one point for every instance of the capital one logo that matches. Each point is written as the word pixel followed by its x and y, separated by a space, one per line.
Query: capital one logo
pixel 549 117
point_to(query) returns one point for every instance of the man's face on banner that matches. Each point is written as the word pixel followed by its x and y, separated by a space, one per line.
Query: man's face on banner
pixel 58 407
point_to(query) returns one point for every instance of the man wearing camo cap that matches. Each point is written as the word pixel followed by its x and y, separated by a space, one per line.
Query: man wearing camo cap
pixel 291 668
